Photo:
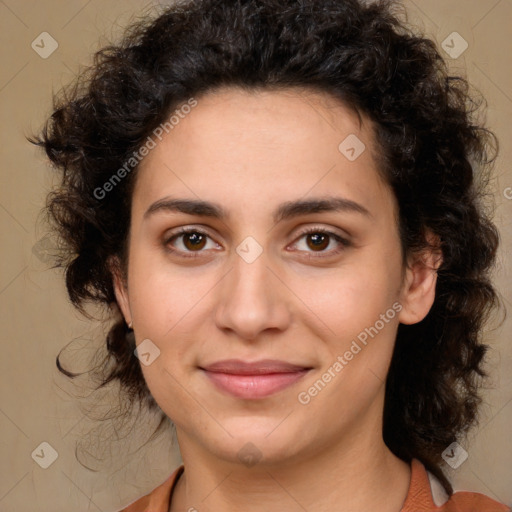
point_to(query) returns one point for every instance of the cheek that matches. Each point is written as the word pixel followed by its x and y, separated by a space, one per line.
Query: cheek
pixel 163 294
pixel 173 393
pixel 170 307
pixel 354 314
pixel 352 295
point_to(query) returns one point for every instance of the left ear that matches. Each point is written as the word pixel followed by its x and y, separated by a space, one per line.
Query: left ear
pixel 419 286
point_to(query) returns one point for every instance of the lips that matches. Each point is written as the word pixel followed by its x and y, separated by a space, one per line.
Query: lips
pixel 253 380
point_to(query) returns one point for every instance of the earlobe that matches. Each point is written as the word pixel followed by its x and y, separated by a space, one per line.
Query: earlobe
pixel 419 288
pixel 120 289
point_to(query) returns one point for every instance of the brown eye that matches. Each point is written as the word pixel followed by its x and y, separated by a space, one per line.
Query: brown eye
pixel 194 240
pixel 319 241
pixel 187 242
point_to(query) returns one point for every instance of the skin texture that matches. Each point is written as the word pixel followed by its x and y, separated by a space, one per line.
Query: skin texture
pixel 249 152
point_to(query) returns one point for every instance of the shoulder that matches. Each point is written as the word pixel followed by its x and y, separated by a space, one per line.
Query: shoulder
pixel 463 501
pixel 159 498
pixel 427 495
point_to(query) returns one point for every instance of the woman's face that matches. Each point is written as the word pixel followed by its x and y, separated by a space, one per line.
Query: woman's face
pixel 249 284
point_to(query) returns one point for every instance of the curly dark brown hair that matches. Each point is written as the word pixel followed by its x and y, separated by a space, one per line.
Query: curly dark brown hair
pixel 435 155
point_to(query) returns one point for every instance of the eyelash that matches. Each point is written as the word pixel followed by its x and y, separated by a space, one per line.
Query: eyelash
pixel 344 243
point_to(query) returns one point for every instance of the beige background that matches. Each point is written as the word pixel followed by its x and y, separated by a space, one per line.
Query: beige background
pixel 37 403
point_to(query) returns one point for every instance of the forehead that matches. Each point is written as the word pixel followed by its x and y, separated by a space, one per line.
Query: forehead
pixel 277 115
pixel 262 143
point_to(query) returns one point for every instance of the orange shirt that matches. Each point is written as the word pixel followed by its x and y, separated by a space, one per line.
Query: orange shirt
pixel 419 497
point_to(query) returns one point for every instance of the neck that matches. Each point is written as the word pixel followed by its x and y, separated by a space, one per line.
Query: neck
pixel 358 473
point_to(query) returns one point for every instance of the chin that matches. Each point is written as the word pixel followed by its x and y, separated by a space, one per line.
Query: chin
pixel 257 442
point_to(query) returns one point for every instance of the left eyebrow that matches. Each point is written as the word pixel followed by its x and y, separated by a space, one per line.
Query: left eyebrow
pixel 285 211
pixel 292 209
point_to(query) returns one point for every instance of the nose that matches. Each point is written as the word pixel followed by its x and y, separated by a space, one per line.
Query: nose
pixel 253 298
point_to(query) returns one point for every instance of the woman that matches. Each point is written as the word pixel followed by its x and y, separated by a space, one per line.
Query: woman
pixel 281 203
